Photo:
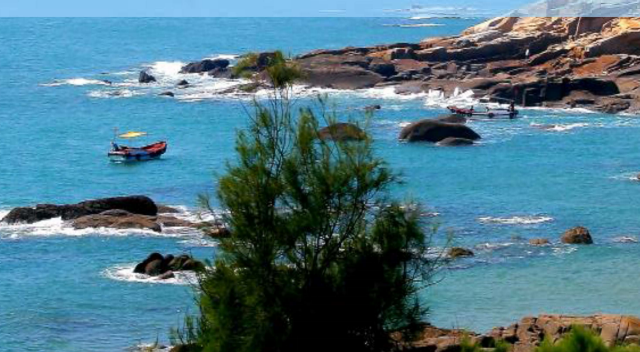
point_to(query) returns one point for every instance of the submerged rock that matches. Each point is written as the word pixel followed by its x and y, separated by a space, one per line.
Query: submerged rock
pixel 167 94
pixel 577 235
pixel 146 77
pixel 435 131
pixel 141 205
pixel 342 132
pixel 455 142
pixel 458 252
pixel 538 241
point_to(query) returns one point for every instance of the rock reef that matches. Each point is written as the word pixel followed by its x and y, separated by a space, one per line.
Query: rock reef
pixel 591 62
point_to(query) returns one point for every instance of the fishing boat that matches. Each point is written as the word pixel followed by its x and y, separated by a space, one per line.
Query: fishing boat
pixel 125 153
pixel 510 112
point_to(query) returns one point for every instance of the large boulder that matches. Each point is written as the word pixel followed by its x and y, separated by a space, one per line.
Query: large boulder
pixel 435 131
pixel 205 66
pixel 117 220
pixel 145 77
pixel 141 205
pixel 341 77
pixel 342 132
pixel 452 118
pixel 577 235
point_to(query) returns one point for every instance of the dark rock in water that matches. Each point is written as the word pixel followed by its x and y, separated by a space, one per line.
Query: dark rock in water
pixel 155 268
pixel 163 267
pixel 206 65
pixel 183 83
pixel 343 77
pixel 577 235
pixel 140 268
pixel 167 94
pixel 216 231
pixel 146 77
pixel 452 118
pixel 371 108
pixel 107 81
pixel 458 252
pixel 342 132
pixel 141 205
pixel 453 142
pixel 435 131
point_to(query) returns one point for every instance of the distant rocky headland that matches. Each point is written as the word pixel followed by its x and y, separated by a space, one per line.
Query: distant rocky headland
pixel 559 62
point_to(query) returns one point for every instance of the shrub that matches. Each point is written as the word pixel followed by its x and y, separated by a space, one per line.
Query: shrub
pixel 319 257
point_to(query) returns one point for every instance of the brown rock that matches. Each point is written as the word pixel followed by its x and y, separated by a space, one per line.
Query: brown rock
pixel 577 235
pixel 117 221
pixel 538 241
pixel 457 252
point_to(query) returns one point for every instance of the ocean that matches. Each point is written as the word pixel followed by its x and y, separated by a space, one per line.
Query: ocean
pixel 71 290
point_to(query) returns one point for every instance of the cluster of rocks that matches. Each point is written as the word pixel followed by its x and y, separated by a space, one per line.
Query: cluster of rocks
pixel 528 333
pixel 591 62
pixel 163 267
pixel 130 212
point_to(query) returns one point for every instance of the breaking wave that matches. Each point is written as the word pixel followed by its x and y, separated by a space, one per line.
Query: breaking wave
pixel 76 82
pixel 125 273
pixel 516 220
pixel 559 127
pixel 437 98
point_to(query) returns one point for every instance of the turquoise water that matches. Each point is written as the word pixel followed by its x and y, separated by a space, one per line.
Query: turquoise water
pixel 67 290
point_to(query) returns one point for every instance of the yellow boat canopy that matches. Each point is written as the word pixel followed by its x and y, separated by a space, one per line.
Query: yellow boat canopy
pixel 133 134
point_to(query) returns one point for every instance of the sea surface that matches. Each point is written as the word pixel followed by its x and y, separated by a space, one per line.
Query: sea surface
pixel 68 290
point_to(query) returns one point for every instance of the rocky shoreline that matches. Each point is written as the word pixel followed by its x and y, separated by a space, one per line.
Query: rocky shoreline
pixel 557 62
pixel 528 333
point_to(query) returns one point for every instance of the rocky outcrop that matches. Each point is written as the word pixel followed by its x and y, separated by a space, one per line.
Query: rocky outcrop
pixel 206 66
pixel 164 266
pixel 538 241
pixel 117 219
pixel 436 131
pixel 577 235
pixel 342 132
pixel 528 333
pixel 145 77
pixel 140 205
pixel 560 62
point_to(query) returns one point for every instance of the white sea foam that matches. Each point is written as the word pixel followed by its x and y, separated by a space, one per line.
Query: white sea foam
pixel 560 127
pixel 626 239
pixel 58 227
pixel 415 25
pixel 125 273
pixel 115 93
pixel 76 82
pixel 516 220
pixel 437 98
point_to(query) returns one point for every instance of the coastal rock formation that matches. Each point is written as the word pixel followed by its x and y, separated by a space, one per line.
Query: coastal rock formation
pixel 342 132
pixel 145 77
pixel 528 333
pixel 167 94
pixel 164 266
pixel 577 235
pixel 436 131
pixel 452 118
pixel 562 62
pixel 117 219
pixel 206 66
pixel 140 205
